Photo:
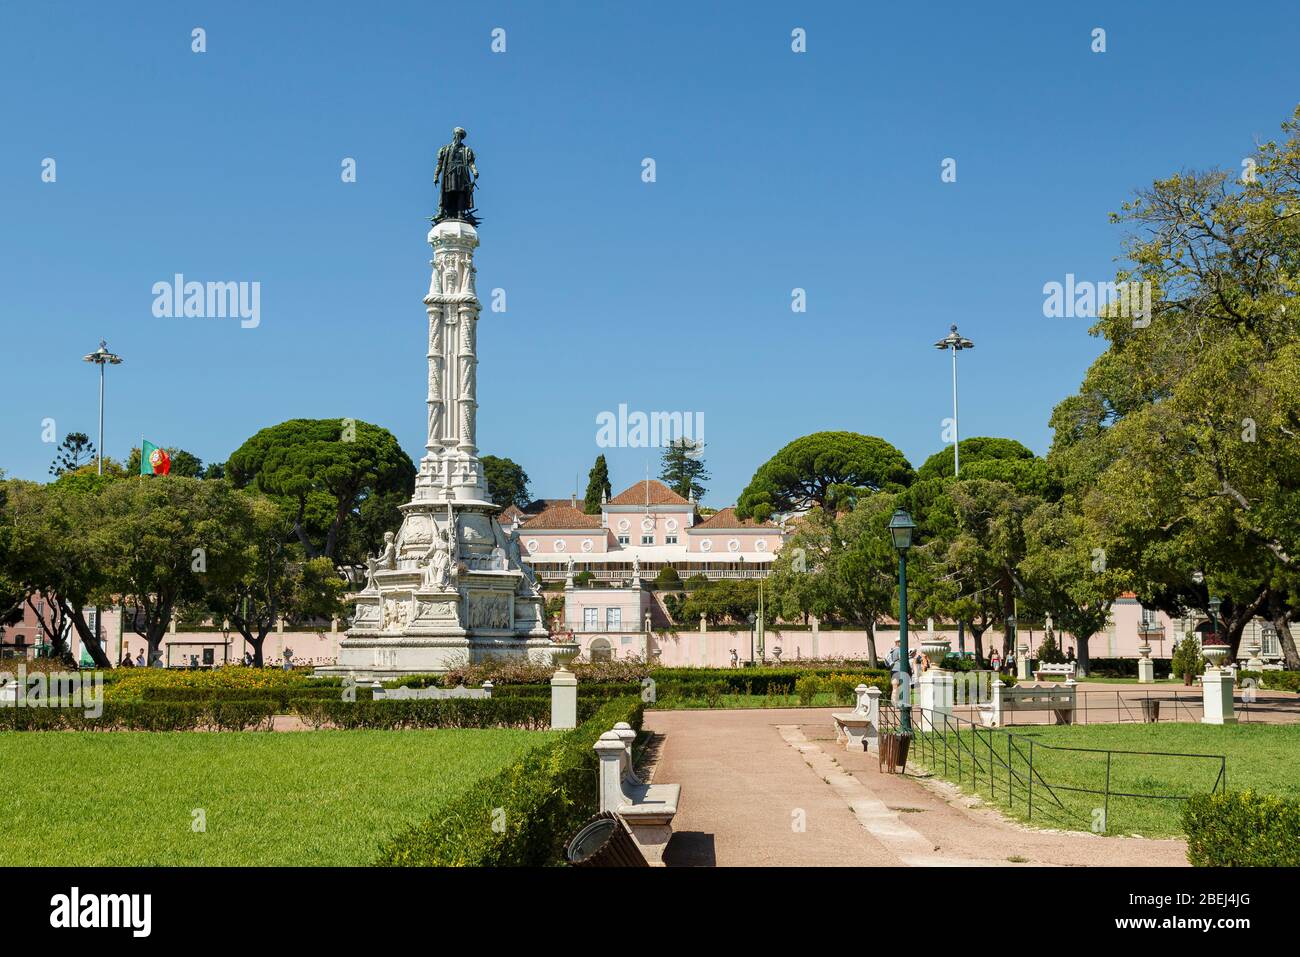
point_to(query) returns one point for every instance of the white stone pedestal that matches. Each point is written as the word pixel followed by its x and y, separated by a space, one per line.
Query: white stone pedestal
pixel 935 690
pixel 1146 671
pixel 1216 690
pixel 564 700
pixel 1022 667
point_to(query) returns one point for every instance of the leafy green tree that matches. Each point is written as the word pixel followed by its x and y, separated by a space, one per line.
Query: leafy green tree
pixel 263 577
pixel 683 470
pixel 53 553
pixel 597 486
pixel 11 592
pixel 73 452
pixel 843 568
pixel 1066 578
pixel 340 481
pixel 1183 442
pixel 826 469
pixel 507 482
pixel 721 600
pixel 157 541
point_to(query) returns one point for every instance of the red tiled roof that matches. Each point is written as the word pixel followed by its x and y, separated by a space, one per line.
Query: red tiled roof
pixel 563 516
pixel 509 515
pixel 726 518
pixel 659 494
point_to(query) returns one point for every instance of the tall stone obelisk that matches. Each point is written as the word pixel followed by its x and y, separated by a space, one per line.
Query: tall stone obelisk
pixel 450 587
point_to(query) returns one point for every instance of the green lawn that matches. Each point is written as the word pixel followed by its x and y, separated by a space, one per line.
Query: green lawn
pixel 1263 757
pixel 302 797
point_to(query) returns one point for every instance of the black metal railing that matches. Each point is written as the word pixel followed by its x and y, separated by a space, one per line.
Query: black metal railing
pixel 1015 770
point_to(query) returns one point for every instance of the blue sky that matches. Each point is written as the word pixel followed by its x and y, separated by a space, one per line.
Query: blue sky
pixel 775 170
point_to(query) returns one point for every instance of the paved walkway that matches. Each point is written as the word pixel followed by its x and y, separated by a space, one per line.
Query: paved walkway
pixel 772 787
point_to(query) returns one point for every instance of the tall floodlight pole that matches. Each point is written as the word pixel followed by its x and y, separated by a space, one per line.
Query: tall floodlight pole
pixel 955 343
pixel 102 357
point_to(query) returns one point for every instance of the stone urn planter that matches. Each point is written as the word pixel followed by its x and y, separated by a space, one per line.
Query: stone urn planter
pixel 935 650
pixel 1144 651
pixel 1214 652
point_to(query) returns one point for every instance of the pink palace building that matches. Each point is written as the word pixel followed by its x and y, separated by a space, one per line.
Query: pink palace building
pixel 643 529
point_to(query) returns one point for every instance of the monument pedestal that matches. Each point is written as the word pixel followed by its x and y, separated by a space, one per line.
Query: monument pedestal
pixel 1216 691
pixel 1146 671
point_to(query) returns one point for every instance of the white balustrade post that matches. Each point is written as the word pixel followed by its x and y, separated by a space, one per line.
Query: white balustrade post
pixel 626 732
pixel 610 750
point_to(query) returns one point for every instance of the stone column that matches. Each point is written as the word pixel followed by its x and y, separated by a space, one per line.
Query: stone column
pixel 451 452
pixel 1216 692
pixel 1022 663
pixel 564 700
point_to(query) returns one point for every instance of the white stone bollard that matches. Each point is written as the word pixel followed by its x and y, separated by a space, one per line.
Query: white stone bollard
pixel 1216 692
pixel 487 688
pixel 564 700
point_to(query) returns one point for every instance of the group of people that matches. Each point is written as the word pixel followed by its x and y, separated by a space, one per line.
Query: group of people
pixel 126 661
pixel 916 664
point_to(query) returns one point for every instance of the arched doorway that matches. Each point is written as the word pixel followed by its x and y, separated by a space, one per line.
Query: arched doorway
pixel 600 650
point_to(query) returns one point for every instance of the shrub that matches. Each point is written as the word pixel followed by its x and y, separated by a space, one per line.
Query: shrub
pixel 1275 680
pixel 1242 829
pixel 668 578
pixel 522 815
pixel 1186 660
pixel 1049 652
pixel 528 713
pixel 806 688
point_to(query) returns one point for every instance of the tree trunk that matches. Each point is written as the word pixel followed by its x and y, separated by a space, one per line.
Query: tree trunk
pixel 977 638
pixel 89 638
pixel 1281 620
pixel 257 641
pixel 871 645
pixel 1081 654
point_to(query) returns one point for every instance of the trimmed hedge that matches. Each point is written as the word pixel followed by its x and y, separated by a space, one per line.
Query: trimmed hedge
pixel 1242 829
pixel 1275 680
pixel 528 713
pixel 1124 667
pixel 283 698
pixel 751 681
pixel 145 716
pixel 524 814
pixel 589 692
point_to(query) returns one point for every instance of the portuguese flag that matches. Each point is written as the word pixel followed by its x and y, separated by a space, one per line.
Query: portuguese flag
pixel 153 460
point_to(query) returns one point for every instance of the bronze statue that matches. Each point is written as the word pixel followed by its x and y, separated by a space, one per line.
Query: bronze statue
pixel 458 177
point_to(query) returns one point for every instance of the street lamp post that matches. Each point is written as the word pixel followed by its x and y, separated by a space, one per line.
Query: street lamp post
pixel 1215 604
pixel 954 343
pixel 901 527
pixel 102 357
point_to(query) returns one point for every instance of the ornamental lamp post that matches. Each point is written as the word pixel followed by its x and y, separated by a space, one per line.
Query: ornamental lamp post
pixel 102 357
pixel 901 527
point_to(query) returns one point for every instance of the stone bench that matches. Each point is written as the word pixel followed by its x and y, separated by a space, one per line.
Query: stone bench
pixel 1008 700
pixel 647 809
pixel 1065 670
pixel 858 729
